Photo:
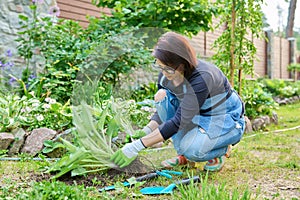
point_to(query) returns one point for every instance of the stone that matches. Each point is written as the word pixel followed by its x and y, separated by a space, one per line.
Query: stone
pixel 274 118
pixel 258 124
pixel 15 7
pixel 296 98
pixel 248 128
pixel 266 119
pixel 18 142
pixel 14 23
pixel 5 140
pixel 34 143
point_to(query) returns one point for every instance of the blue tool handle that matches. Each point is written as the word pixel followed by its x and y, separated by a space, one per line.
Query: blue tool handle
pixel 146 177
pixel 164 174
pixel 112 187
pixel 172 172
pixel 188 181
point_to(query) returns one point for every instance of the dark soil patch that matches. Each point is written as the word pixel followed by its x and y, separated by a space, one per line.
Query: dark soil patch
pixel 136 168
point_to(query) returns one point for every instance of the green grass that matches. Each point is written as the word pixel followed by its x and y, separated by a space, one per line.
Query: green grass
pixel 264 165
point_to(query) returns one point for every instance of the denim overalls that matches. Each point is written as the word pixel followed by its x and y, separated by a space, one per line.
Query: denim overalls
pixel 214 131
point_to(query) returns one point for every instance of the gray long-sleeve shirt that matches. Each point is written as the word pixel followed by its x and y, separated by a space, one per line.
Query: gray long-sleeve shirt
pixel 206 81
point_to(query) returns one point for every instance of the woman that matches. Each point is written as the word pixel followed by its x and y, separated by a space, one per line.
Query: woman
pixel 196 107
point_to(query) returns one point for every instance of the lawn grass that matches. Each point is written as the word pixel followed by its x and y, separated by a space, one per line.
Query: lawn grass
pixel 264 165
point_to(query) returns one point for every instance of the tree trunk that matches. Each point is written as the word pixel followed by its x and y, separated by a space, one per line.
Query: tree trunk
pixel 232 44
pixel 291 18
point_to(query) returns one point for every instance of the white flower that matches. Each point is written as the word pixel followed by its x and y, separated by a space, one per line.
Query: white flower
pixel 145 108
pixel 46 106
pixel 40 117
pixel 131 101
pixel 28 109
pixel 48 99
pixel 52 101
pixel 32 93
pixel 35 105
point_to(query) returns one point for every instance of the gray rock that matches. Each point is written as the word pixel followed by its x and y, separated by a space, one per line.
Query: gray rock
pixel 274 118
pixel 35 141
pixel 5 140
pixel 258 124
pixel 18 142
pixel 248 128
pixel 266 119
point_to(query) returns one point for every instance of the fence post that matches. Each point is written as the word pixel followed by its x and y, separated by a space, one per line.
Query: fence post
pixel 292 59
pixel 270 57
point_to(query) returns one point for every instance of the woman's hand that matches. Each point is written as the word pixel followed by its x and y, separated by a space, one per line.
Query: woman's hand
pixel 127 154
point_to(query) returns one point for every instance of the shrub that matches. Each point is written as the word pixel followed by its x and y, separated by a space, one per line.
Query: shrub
pixel 30 113
pixel 97 51
pixel 257 101
pixel 279 87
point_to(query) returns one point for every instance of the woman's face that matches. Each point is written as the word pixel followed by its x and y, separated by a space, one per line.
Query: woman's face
pixel 169 72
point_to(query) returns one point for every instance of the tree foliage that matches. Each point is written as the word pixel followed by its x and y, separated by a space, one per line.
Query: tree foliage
pixel 235 50
pixel 184 16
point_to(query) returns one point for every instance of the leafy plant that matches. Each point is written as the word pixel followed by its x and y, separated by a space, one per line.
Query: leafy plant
pixel 69 50
pixel 235 52
pixel 144 92
pixel 93 147
pixel 172 15
pixel 139 113
pixel 3 153
pixel 10 108
pixel 294 68
pixel 257 101
pixel 280 88
pixel 55 190
pixel 33 113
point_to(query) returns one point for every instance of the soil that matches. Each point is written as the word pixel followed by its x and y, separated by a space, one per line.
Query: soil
pixel 136 168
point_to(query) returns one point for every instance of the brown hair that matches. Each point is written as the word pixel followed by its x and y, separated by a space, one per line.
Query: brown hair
pixel 173 49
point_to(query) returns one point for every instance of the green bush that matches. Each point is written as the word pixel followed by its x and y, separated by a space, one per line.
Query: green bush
pixel 101 51
pixel 280 88
pixel 30 113
pixel 257 101
pixel 144 92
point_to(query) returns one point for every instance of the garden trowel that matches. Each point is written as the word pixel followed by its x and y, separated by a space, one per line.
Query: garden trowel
pixel 169 188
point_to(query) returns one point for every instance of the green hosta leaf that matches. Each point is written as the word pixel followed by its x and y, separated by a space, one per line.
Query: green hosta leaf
pixel 50 146
pixel 70 147
pixel 112 129
pixel 94 132
pixel 78 171
pixel 56 107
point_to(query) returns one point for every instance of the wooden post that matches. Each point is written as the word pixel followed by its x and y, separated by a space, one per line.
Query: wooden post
pixel 292 51
pixel 270 57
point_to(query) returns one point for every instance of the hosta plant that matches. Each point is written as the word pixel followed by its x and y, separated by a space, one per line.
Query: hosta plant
pixel 30 112
pixel 93 147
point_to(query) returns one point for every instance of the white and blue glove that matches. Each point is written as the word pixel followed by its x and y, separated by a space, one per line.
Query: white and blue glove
pixel 127 154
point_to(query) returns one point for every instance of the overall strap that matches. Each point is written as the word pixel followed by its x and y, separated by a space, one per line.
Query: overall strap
pixel 218 103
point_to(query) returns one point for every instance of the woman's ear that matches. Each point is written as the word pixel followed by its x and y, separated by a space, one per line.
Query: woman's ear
pixel 182 68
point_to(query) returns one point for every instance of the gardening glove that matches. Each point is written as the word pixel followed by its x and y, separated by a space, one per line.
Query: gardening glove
pixel 124 156
pixel 138 134
pixel 141 133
